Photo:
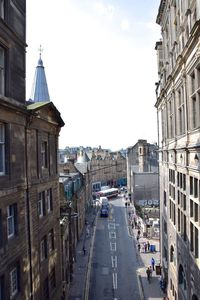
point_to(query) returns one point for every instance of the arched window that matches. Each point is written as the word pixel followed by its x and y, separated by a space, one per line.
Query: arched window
pixel 194 297
pixel 182 278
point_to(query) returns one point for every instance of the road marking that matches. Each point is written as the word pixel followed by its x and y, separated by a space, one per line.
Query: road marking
pixel 111 226
pixel 113 246
pixel 114 261
pixel 111 219
pixel 112 235
pixel 114 281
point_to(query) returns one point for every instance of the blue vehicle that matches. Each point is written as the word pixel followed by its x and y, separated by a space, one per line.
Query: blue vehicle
pixel 104 212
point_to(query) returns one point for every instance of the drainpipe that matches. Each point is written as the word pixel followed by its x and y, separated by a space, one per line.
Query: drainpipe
pixel 28 210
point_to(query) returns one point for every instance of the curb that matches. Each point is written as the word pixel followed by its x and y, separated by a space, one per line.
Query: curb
pixel 141 288
pixel 87 288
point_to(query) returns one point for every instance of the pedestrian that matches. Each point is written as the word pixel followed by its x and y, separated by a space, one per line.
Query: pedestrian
pixel 163 286
pixel 138 232
pixel 148 246
pixel 151 271
pixel 145 247
pixel 139 247
pixel 148 274
pixel 87 231
pixel 84 250
pixel 138 237
pixel 153 263
pixel 132 225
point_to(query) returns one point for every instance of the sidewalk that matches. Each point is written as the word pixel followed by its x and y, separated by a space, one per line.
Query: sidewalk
pixel 77 286
pixel 152 290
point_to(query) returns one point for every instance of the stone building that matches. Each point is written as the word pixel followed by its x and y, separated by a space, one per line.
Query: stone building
pixel 105 168
pixel 14 255
pixel 74 201
pixel 142 173
pixel 43 199
pixel 178 100
pixel 29 198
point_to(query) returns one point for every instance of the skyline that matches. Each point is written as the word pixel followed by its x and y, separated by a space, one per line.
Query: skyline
pixel 101 68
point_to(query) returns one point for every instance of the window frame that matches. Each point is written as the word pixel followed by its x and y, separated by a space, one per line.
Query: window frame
pixel 49 200
pixel 51 242
pixel 3 147
pixel 44 154
pixel 12 217
pixel 14 285
pixel 41 204
pixel 2 9
pixel 43 249
pixel 2 70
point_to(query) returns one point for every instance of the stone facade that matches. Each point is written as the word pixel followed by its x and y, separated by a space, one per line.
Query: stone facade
pixel 14 256
pixel 142 172
pixel 107 169
pixel 74 197
pixel 29 202
pixel 44 200
pixel 177 105
pixel 29 190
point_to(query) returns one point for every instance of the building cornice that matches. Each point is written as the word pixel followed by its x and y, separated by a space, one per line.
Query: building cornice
pixel 160 11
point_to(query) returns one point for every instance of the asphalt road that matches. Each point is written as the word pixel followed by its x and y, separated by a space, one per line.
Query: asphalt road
pixel 113 262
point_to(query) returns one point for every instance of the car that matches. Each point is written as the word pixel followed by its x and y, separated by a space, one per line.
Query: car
pixel 104 212
pixel 103 200
pixel 105 206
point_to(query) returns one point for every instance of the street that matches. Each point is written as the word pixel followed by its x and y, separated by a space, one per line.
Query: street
pixel 113 261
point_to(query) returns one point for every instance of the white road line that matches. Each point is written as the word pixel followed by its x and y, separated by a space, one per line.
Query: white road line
pixel 114 281
pixel 114 261
pixel 113 246
pixel 111 226
pixel 112 235
pixel 111 220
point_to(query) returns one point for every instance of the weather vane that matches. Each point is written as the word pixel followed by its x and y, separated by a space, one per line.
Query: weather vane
pixel 40 50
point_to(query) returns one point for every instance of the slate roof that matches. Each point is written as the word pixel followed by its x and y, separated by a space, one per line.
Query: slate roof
pixel 39 105
pixel 40 91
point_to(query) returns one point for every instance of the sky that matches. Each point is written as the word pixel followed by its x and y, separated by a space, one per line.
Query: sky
pixel 101 68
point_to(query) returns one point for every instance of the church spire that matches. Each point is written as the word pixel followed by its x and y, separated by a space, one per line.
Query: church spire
pixel 40 91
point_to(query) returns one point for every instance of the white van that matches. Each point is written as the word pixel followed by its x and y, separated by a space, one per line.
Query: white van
pixel 104 201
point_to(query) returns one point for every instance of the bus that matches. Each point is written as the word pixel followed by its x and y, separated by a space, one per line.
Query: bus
pixel 109 193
